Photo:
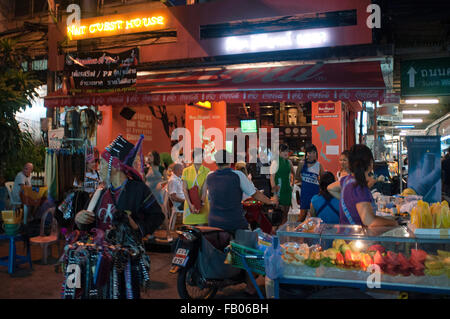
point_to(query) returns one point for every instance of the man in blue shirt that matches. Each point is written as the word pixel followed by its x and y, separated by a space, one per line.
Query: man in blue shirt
pixel 225 188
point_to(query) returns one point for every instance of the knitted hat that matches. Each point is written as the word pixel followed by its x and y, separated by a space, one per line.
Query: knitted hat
pixel 122 154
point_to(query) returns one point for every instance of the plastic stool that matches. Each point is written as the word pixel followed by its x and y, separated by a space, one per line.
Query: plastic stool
pixel 13 259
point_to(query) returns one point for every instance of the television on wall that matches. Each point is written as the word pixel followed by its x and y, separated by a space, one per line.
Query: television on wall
pixel 249 126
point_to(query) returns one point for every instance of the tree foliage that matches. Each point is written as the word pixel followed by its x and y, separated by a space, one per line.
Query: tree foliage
pixel 17 90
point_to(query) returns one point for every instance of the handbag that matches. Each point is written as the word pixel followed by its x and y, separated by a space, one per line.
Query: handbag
pixel 194 196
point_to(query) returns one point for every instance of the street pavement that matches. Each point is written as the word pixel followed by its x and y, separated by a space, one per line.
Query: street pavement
pixel 43 282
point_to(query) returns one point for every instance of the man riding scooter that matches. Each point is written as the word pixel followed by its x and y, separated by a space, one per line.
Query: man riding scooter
pixel 225 188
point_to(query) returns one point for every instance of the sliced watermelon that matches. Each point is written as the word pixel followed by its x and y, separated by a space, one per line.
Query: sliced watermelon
pixel 379 248
pixel 339 259
pixel 391 258
pixel 418 255
pixel 378 259
pixel 417 272
pixel 415 264
pixel 405 266
pixel 348 258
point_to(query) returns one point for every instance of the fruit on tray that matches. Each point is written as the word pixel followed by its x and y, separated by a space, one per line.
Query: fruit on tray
pixel 436 216
pixel 340 261
pixel 366 261
pixel 330 253
pixel 408 191
pixel 375 248
pixel 338 242
pixel 443 253
pixel 344 248
pixel 434 272
pixel 418 255
pixel 445 215
pixel 405 266
pixel 436 265
pixel 348 258
pixel 378 259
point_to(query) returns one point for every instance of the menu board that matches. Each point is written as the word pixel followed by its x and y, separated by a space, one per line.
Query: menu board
pixel 99 72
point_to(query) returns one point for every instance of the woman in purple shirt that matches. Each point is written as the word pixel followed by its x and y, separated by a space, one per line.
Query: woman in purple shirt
pixel 357 205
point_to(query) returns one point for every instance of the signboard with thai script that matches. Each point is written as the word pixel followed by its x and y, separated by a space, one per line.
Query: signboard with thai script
pixel 99 72
pixel 430 77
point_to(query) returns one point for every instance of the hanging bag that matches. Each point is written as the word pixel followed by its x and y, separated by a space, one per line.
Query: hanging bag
pixel 194 196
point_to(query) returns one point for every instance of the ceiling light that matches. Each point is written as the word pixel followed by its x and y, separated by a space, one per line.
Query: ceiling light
pixel 412 120
pixel 404 126
pixel 416 111
pixel 428 101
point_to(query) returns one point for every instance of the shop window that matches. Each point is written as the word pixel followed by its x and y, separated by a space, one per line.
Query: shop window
pixel 22 8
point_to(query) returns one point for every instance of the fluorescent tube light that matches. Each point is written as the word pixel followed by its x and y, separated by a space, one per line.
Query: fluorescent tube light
pixel 416 111
pixel 426 101
pixel 412 120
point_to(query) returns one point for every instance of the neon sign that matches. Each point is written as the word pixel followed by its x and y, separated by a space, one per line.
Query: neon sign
pixel 274 41
pixel 114 26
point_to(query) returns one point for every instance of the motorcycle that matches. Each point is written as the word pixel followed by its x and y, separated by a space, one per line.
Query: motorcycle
pixel 201 269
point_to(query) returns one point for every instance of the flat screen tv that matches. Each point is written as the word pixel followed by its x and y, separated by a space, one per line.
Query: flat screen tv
pixel 249 126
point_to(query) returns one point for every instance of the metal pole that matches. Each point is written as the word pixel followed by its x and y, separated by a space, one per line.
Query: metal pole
pixel 400 163
pixel 361 122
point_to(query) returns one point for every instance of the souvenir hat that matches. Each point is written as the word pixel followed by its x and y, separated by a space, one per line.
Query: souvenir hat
pixel 121 154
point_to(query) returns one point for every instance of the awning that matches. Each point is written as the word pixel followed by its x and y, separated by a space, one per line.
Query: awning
pixel 353 81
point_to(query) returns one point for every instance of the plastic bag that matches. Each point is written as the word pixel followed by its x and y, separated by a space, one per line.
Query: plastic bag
pixel 272 260
pixel 264 240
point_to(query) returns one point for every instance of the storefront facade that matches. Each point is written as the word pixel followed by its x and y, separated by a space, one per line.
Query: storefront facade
pixel 247 65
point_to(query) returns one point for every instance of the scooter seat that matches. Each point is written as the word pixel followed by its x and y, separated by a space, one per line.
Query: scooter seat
pixel 205 229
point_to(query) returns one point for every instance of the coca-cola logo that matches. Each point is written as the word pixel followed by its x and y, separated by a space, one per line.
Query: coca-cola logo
pixel 147 98
pixel 297 95
pixel 210 96
pixel 252 96
pixel 344 95
pixel 318 95
pixel 229 96
pixel 171 98
pixel 189 97
pixel 273 96
pixel 366 94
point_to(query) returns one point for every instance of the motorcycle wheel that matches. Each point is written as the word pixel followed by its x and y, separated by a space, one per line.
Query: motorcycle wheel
pixel 187 288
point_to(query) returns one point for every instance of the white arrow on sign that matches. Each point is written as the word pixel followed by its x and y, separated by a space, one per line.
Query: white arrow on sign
pixel 411 72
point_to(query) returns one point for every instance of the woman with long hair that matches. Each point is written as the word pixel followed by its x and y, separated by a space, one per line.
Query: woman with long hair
pixel 357 206
pixel 154 176
pixel 343 161
pixel 324 205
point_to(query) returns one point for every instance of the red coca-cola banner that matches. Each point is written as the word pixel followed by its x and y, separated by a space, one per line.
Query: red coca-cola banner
pixel 137 99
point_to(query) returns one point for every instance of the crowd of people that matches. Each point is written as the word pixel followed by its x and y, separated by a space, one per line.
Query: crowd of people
pixel 214 198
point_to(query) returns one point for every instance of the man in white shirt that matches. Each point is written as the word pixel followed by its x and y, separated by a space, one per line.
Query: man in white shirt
pixel 175 188
pixel 22 178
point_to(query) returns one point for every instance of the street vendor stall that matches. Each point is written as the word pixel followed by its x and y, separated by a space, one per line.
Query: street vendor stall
pixel 391 258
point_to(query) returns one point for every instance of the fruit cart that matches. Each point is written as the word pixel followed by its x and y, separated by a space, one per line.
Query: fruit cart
pixel 370 259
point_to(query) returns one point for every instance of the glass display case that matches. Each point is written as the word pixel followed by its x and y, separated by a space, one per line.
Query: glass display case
pixel 355 256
